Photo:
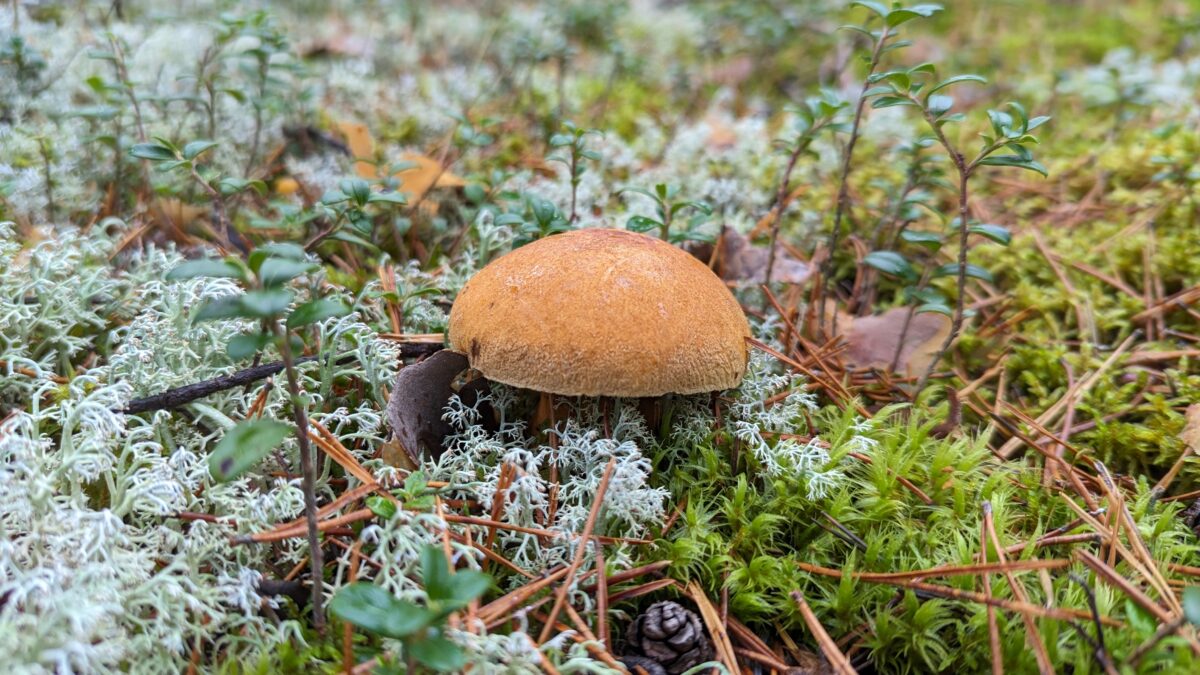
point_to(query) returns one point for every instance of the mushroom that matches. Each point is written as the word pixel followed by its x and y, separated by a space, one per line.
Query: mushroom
pixel 601 312
pixel 596 312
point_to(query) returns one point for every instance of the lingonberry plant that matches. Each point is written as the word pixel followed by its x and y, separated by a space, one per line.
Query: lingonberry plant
pixel 266 275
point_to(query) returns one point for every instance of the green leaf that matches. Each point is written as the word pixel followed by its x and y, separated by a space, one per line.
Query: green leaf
pixel 206 268
pixel 903 15
pixel 374 609
pixel 876 7
pixel 268 303
pixel 343 234
pixel 243 446
pixel 317 310
pixel 1014 160
pixel 282 250
pixel 246 345
pixel 438 653
pixel 384 508
pixel 891 102
pixel 1036 122
pixel 392 197
pixel 227 307
pixel 468 585
pixel 935 307
pixel 930 240
pixel 642 224
pixel 997 233
pixel 890 262
pixel 231 186
pixel 196 148
pixel 152 151
pixel 357 189
pixel 955 80
pixel 951 270
pixel 436 571
pixel 275 271
pixel 1191 604
pixel 939 105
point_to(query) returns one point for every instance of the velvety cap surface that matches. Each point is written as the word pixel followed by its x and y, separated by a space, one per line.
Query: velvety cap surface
pixel 600 312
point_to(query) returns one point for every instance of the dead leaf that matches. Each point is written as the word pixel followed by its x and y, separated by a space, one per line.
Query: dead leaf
pixel 1191 431
pixel 176 213
pixel 424 174
pixel 871 340
pixel 418 400
pixel 362 148
pixel 415 408
pixel 418 180
pixel 286 186
pixel 721 136
pixel 741 260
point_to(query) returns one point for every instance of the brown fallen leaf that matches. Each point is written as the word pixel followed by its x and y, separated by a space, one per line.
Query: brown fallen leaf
pixel 415 408
pixel 740 260
pixel 871 340
pixel 424 173
pixel 721 135
pixel 1191 431
pixel 176 213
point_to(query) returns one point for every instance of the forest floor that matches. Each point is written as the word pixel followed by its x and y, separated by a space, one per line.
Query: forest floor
pixel 965 239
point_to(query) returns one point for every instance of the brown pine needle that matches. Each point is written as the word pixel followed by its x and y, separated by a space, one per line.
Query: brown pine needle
pixel 837 660
pixel 638 591
pixel 561 596
pixel 993 626
pixel 969 596
pixel 1018 591
pixel 944 571
pixel 716 627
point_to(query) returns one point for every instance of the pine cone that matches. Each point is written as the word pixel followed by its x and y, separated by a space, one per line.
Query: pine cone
pixel 671 635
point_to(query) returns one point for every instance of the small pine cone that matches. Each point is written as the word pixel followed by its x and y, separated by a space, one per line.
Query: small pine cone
pixel 671 635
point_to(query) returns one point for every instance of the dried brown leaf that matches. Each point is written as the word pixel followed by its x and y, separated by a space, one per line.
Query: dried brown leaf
pixel 415 408
pixel 743 261
pixel 871 340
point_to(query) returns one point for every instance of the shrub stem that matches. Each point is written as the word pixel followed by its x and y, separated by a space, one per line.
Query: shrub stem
pixel 308 468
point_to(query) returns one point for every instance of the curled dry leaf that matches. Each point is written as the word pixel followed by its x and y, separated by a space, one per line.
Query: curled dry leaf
pixel 415 408
pixel 871 340
pixel 741 260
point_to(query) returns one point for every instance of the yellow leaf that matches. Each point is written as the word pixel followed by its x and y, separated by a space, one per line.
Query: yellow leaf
pixel 362 148
pixel 286 186
pixel 417 180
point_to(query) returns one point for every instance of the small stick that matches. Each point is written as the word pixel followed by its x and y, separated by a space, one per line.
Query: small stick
pixel 174 398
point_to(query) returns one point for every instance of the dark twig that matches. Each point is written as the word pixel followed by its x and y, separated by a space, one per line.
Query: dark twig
pixel 173 398
pixel 843 196
pixel 1099 650
pixel 307 466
